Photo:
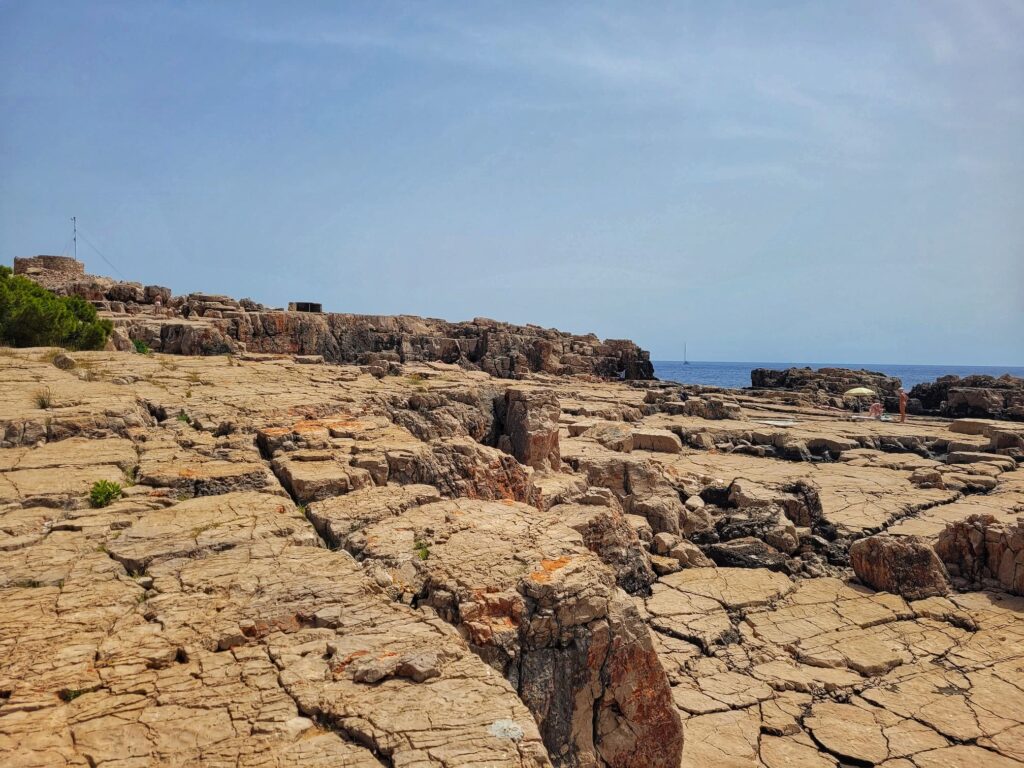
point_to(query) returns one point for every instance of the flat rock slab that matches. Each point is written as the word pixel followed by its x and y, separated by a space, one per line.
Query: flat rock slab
pixel 437 602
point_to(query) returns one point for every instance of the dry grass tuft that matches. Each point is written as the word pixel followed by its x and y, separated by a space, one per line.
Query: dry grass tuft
pixel 43 398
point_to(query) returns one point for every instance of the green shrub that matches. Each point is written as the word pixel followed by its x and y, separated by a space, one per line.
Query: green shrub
pixel 104 492
pixel 140 346
pixel 31 316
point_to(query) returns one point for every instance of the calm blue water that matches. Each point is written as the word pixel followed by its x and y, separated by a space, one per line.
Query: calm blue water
pixel 738 374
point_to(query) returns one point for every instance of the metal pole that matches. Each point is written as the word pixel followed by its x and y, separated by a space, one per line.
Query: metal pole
pixel 74 220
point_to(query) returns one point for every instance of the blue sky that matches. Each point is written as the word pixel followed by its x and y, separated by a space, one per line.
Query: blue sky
pixel 766 181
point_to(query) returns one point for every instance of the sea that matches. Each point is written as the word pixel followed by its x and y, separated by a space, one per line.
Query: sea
pixel 737 375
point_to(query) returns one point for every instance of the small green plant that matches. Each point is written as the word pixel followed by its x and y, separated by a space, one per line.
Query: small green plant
pixel 70 694
pixel 43 398
pixel 141 347
pixel 104 492
pixel 422 550
pixel 184 418
pixel 131 476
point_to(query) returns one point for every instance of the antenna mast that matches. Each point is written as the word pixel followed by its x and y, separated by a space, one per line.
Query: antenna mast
pixel 74 221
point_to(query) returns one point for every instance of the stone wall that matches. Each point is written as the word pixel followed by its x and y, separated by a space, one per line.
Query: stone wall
pixel 50 271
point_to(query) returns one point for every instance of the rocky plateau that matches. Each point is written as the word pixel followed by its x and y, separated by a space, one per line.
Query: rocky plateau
pixel 410 560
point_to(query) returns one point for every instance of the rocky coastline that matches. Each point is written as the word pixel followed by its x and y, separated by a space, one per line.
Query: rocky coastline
pixel 978 396
pixel 341 540
pixel 206 324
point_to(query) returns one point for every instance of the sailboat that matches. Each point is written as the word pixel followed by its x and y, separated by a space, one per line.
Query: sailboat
pixel 685 361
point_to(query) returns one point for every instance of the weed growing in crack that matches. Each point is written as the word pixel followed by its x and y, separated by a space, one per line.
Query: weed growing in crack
pixel 103 493
pixel 131 476
pixel 421 549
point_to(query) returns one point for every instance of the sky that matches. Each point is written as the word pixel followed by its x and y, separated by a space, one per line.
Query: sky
pixel 785 181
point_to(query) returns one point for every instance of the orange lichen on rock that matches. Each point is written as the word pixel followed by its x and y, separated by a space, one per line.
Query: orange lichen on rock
pixel 548 567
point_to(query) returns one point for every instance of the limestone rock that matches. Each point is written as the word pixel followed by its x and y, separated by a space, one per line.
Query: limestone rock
pixel 660 440
pixel 903 565
pixel 312 476
pixel 607 534
pixel 831 381
pixel 531 427
pixel 550 619
pixel 688 555
pixel 973 396
pixel 429 616
pixel 982 551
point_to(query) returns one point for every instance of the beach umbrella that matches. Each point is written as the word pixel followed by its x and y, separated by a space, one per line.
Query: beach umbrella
pixel 859 392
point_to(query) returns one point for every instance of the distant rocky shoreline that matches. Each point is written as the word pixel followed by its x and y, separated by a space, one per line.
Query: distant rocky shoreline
pixel 208 324
pixel 976 396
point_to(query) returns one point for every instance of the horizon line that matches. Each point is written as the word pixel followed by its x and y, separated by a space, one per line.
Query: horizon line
pixel 791 364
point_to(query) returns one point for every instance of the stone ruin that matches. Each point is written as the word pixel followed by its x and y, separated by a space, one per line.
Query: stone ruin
pixel 50 271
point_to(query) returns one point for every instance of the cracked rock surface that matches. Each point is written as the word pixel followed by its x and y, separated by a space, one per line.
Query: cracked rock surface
pixel 420 565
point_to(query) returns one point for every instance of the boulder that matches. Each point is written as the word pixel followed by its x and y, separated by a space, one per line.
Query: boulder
pixel 63 361
pixel 663 543
pixel 659 440
pixel 613 435
pixel 153 292
pixel 688 555
pixel 530 421
pixel 902 565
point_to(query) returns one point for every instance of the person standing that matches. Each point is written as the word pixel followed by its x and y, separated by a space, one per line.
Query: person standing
pixel 903 405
